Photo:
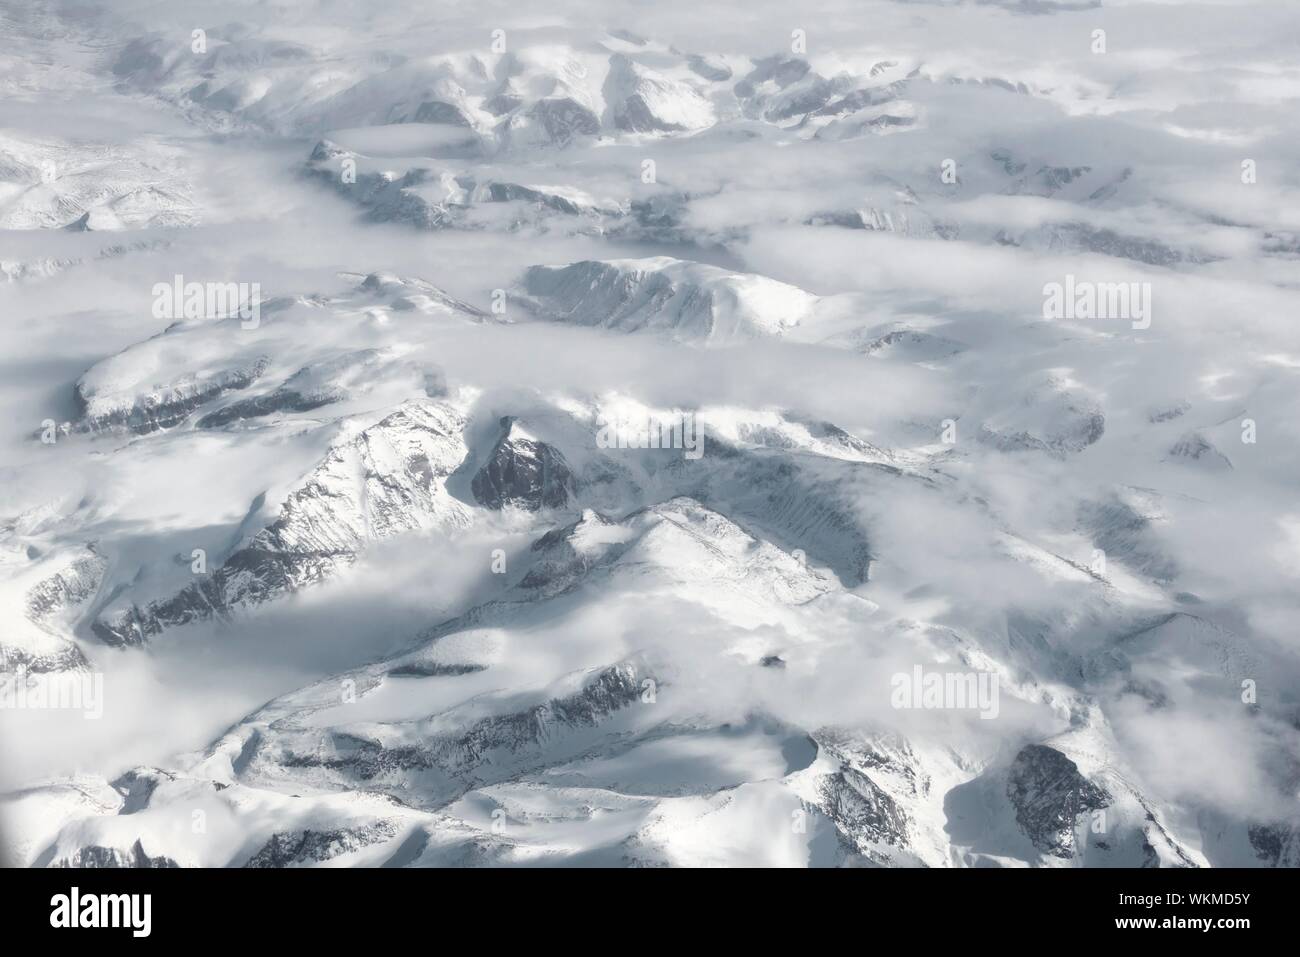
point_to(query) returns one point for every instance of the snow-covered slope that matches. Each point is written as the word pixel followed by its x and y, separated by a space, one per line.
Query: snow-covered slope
pixel 683 439
pixel 89 186
pixel 690 301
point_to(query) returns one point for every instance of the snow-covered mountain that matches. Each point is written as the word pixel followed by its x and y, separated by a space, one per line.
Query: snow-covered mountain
pixel 57 185
pixel 667 441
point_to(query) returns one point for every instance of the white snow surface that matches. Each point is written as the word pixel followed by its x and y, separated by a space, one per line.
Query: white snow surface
pixel 633 400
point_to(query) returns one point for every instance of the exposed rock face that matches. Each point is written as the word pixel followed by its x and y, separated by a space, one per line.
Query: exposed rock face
pixel 389 284
pixel 808 95
pixel 863 812
pixel 785 501
pixel 432 197
pixel 712 68
pixel 447 679
pixel 913 345
pixel 1108 242
pixel 64 657
pixel 1048 794
pixel 281 400
pixel 1077 436
pixel 1169 412
pixel 560 564
pixel 433 670
pixel 903 217
pixel 522 473
pixel 659 217
pixel 786 91
pixel 312 386
pixel 856 100
pixel 779 71
pixel 312 847
pixel 137 787
pixel 642 101
pixel 386 197
pixel 690 300
pixel 333 379
pixel 559 119
pixel 162 407
pixel 386 479
pixel 471 753
pixel 67 588
pixel 609 691
pixel 436 111
pixel 1126 533
pixel 569 202
pixel 1277 845
pixel 1053 417
pixel 97 855
pixel 875 777
pixel 53 605
pixel 1195 447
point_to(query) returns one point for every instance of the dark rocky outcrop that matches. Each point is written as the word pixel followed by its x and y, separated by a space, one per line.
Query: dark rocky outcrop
pixel 312 847
pixel 168 406
pixel 523 473
pixel 325 523
pixel 1048 794
pixel 863 813
pixel 96 855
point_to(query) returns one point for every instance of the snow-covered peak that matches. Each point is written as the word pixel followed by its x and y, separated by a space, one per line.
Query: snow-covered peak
pixel 688 300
